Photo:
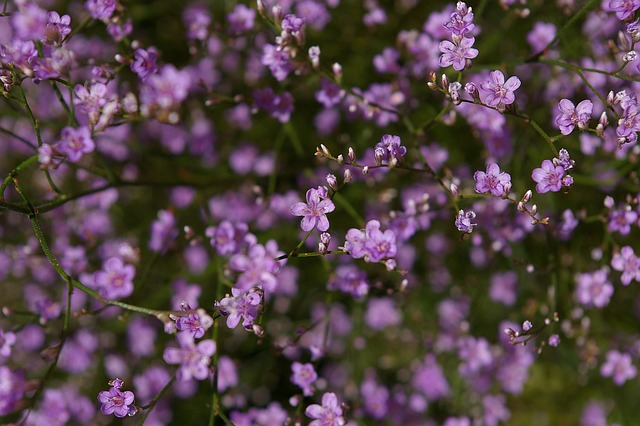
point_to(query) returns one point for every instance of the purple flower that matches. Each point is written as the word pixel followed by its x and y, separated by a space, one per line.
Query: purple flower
pixel 115 280
pixel 101 9
pixel 350 280
pixel 463 221
pixel 430 379
pixel 116 402
pixel 7 339
pixel 628 263
pixel 163 231
pixel 164 90
pixel 624 8
pixel 540 36
pixel 196 19
pixel 495 410
pixel 304 376
pixel 194 323
pixel 571 116
pixel 372 244
pixel 621 220
pixel 329 93
pixel 258 269
pixel 392 149
pixel 75 142
pixel 327 414
pixel 475 353
pixel 628 124
pixel 548 177
pixel 240 20
pixel 503 287
pixel 619 366
pixel 594 289
pixel 496 92
pixel 29 23
pixel 278 61
pixel 493 181
pixel 144 62
pixel 459 55
pixel 314 211
pixel 379 245
pixel 226 238
pixel 460 23
pixel 241 306
pixel 194 359
pixel 12 388
pixel 57 27
pixel 382 313
pixel 564 159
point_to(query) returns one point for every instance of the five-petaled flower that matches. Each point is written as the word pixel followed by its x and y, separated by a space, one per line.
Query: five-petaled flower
pixel 548 177
pixel 116 402
pixel 497 93
pixel 327 414
pixel 314 210
pixel 494 181
pixel 459 55
pixel 194 359
pixel 571 116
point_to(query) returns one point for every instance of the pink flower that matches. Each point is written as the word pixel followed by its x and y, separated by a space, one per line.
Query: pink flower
pixel 496 92
pixel 571 116
pixel 327 414
pixel 314 211
pixel 548 177
pixel 457 54
pixel 493 181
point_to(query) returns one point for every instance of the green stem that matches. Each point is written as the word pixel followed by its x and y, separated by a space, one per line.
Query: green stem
pixel 152 404
pixel 544 134
pixel 586 8
pixel 71 120
pixel 18 137
pixel 22 166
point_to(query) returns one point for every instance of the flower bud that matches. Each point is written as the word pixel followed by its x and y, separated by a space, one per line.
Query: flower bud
pixel 445 82
pixel 314 55
pixel 332 181
pixel 352 155
pixel 340 159
pixel 630 56
pixel 527 196
pixel 258 330
pixel 379 155
pixel 337 72
pixel 624 41
pixel 608 202
pixel 455 191
pixel 365 170
pixel 454 92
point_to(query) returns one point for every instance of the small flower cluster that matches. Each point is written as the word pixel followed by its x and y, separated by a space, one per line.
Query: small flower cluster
pixel 459 51
pixel 245 306
pixel 389 150
pixel 116 402
pixel 493 181
pixel 372 244
pixel 73 144
pixel 629 122
pixel 550 176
